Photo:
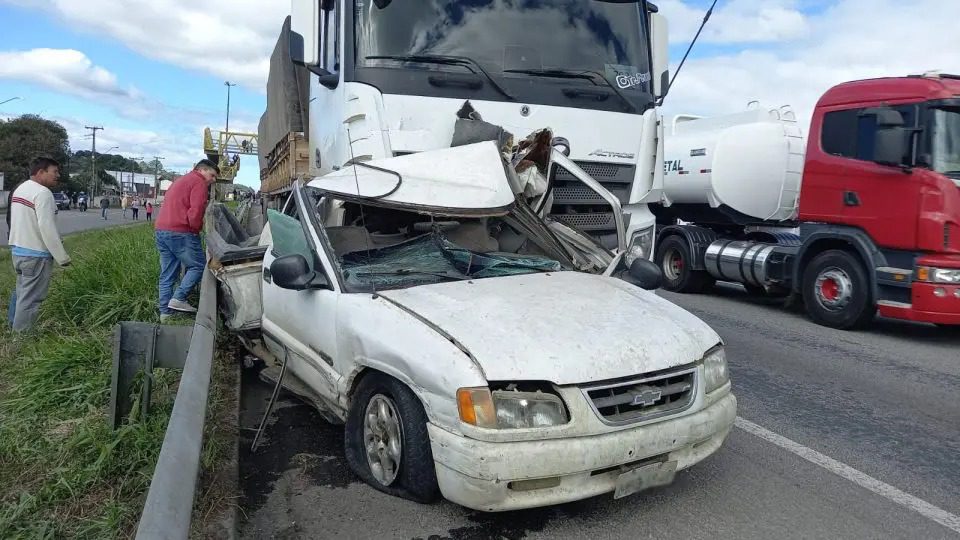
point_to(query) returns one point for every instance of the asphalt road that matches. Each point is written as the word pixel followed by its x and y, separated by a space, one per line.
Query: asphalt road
pixel 72 221
pixel 871 420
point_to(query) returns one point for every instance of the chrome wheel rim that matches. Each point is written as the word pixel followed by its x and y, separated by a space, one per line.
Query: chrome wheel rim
pixel 672 264
pixel 382 439
pixel 834 289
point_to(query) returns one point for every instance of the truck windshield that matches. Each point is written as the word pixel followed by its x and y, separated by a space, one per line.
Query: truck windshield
pixel 526 45
pixel 945 141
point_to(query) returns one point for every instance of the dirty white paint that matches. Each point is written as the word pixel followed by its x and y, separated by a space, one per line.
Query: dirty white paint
pixel 468 177
pixel 563 327
pixel 927 510
pixel 476 474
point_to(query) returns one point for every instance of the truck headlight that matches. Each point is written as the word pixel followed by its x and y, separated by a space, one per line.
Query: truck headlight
pixel 508 409
pixel 715 372
pixel 938 275
pixel 640 246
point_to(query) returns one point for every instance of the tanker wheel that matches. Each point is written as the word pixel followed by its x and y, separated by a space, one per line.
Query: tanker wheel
pixel 836 291
pixel 673 257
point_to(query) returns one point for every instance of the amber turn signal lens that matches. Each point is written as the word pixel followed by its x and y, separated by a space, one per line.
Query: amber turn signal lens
pixel 476 407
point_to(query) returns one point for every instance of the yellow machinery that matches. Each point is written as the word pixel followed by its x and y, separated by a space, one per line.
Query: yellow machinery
pixel 226 149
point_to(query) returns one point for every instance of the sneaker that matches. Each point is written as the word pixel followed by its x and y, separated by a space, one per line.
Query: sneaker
pixel 180 305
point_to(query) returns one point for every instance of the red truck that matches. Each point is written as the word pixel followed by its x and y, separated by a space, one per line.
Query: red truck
pixel 867 219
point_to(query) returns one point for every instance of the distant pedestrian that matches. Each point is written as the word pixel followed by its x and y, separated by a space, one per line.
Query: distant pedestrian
pixel 34 240
pixel 149 209
pixel 135 207
pixel 104 206
pixel 178 236
pixel 124 204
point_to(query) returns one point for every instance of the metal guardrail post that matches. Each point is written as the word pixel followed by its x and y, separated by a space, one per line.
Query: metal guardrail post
pixel 169 505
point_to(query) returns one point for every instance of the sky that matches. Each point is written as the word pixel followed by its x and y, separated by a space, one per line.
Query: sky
pixel 152 72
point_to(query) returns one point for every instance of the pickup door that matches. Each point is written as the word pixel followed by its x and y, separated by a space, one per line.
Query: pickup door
pixel 301 324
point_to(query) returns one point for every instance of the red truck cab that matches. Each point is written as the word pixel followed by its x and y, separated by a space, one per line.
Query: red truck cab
pixel 882 182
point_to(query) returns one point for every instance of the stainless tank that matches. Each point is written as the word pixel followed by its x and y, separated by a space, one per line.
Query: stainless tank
pixel 742 261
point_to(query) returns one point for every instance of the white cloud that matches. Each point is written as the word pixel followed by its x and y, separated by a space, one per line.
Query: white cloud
pixel 230 39
pixel 65 70
pixel 838 45
pixel 737 21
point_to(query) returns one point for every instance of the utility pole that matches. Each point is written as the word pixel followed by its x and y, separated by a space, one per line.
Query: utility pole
pixel 228 84
pixel 156 176
pixel 93 158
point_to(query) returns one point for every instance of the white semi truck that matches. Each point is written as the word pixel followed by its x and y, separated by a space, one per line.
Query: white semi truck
pixel 388 78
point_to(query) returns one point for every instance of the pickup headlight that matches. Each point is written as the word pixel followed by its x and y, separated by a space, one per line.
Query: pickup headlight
pixel 715 369
pixel 508 409
pixel 938 275
pixel 640 246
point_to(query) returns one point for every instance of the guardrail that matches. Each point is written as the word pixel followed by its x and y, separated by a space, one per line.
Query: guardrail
pixel 169 505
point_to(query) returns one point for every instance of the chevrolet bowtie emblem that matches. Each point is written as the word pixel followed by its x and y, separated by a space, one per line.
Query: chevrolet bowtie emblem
pixel 646 397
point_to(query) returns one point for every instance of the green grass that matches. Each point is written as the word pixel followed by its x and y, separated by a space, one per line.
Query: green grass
pixel 63 472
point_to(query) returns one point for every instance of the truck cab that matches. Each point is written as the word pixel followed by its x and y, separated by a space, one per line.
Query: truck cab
pixel 883 163
pixel 389 78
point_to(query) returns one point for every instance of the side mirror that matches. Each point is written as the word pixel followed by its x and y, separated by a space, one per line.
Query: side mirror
pixel 305 32
pixel 292 272
pixel 891 138
pixel 660 55
pixel 644 274
pixel 890 146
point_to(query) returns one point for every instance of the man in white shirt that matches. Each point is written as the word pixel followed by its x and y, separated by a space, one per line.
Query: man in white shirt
pixel 34 240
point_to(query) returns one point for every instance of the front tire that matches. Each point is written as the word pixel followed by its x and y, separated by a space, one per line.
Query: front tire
pixel 836 291
pixel 674 259
pixel 386 440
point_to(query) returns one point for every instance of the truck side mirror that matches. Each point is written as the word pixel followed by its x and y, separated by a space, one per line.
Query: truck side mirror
pixel 305 32
pixel 293 272
pixel 660 70
pixel 891 138
pixel 890 146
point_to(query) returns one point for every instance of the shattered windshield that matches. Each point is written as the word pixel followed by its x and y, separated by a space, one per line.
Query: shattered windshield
pixel 945 141
pixel 431 258
pixel 389 247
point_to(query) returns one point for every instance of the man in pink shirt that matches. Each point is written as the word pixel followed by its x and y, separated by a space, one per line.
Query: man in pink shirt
pixel 178 236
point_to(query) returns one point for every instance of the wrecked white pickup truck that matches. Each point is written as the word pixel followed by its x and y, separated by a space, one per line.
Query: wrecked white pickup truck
pixel 444 323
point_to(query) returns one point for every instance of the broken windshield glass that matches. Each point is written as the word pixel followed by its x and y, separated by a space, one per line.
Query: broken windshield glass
pixel 432 258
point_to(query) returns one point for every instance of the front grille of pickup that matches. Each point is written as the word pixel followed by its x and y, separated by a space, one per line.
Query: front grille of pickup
pixel 643 398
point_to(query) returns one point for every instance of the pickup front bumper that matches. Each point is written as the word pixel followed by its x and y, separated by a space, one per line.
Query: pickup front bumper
pixel 483 475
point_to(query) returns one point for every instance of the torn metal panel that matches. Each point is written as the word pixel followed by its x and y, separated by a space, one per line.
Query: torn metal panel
pixel 467 178
pixel 241 295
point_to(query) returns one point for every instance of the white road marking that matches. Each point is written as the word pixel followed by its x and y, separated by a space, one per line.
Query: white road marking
pixel 863 480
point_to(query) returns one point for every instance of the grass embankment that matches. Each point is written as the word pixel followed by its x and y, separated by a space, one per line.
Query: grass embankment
pixel 63 471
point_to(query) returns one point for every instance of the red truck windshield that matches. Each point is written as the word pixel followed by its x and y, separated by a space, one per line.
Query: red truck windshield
pixel 945 141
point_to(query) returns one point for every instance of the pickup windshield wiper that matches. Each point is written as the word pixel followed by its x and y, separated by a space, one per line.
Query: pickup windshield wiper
pixel 444 60
pixel 592 76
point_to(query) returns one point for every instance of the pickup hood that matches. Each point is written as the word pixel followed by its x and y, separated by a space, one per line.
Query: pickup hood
pixel 564 327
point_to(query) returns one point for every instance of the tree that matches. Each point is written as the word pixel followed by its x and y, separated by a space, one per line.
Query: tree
pixel 26 137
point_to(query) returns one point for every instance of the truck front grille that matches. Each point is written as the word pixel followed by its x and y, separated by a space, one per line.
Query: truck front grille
pixel 644 398
pixel 579 206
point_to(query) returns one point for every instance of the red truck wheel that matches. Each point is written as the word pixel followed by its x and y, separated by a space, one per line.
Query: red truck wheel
pixel 836 291
pixel 673 257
